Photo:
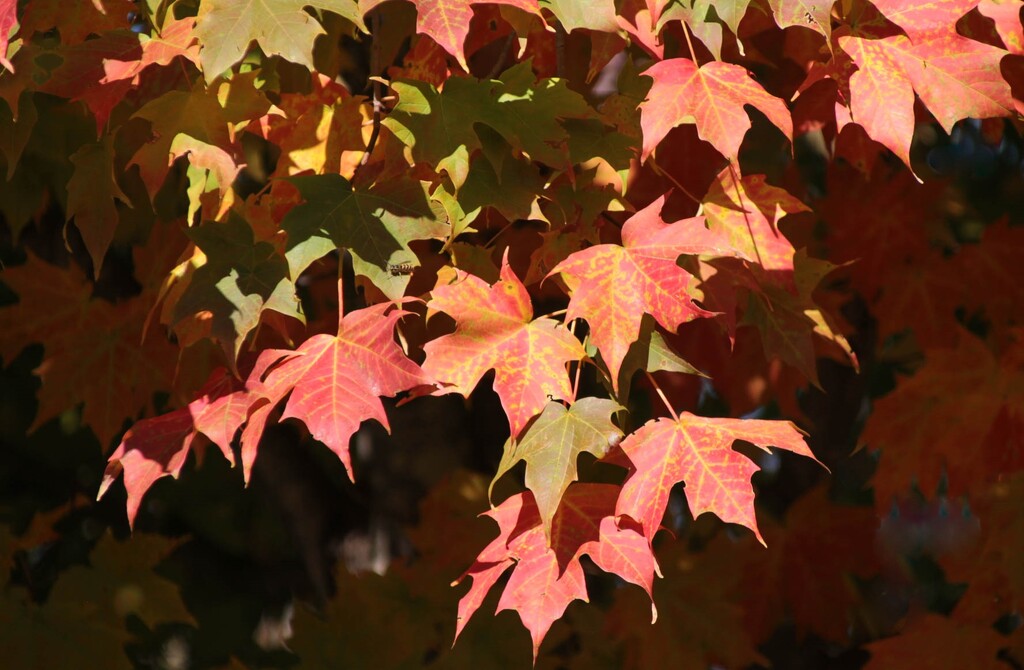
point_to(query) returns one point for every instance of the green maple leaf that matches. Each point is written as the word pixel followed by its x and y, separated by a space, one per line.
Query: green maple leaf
pixel 375 224
pixel 226 28
pixel 242 277
pixel 552 444
pixel 438 127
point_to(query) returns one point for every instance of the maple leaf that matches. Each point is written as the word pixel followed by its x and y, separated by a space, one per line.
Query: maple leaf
pixel 81 70
pixel 94 354
pixel 158 447
pixel 546 579
pixel 495 329
pixel 76 20
pixel 597 15
pixel 375 224
pixel 701 602
pixel 447 21
pixel 960 396
pixel 321 131
pixel 698 450
pixel 92 191
pixel 651 353
pixel 105 366
pixel 85 613
pixel 52 300
pixel 333 382
pixel 1005 14
pixel 613 286
pixel 211 171
pixel 938 642
pixel 747 210
pixel 195 113
pixel 551 445
pixel 805 573
pixel 175 39
pixel 437 128
pixel 226 28
pixel 241 278
pixel 955 77
pixel 711 97
pixel 705 19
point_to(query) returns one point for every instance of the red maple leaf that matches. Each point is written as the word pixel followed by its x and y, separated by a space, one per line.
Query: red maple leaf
pixel 447 21
pixel 495 329
pixel 711 96
pixel 174 40
pixel 545 580
pixel 698 450
pixel 157 447
pixel 955 77
pixel 613 285
pixel 333 382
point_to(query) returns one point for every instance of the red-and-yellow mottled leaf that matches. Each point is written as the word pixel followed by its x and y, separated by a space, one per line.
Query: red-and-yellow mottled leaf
pixel 157 447
pixel 698 451
pixel 879 78
pixel 334 382
pixel 447 21
pixel 495 329
pixel 1005 14
pixel 545 580
pixel 747 211
pixel 613 286
pixel 923 19
pixel 712 97
pixel 955 77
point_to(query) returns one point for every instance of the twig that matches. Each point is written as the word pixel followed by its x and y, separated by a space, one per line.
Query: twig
pixel 375 26
pixel 506 49
pixel 560 36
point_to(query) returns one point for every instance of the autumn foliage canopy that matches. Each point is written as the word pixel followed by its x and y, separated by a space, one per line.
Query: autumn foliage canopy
pixel 707 314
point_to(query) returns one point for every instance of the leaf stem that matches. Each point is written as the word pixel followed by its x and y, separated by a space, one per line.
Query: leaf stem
pixel 675 182
pixel 560 36
pixel 557 312
pixel 579 364
pixel 661 394
pixel 341 289
pixel 746 212
pixel 689 44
